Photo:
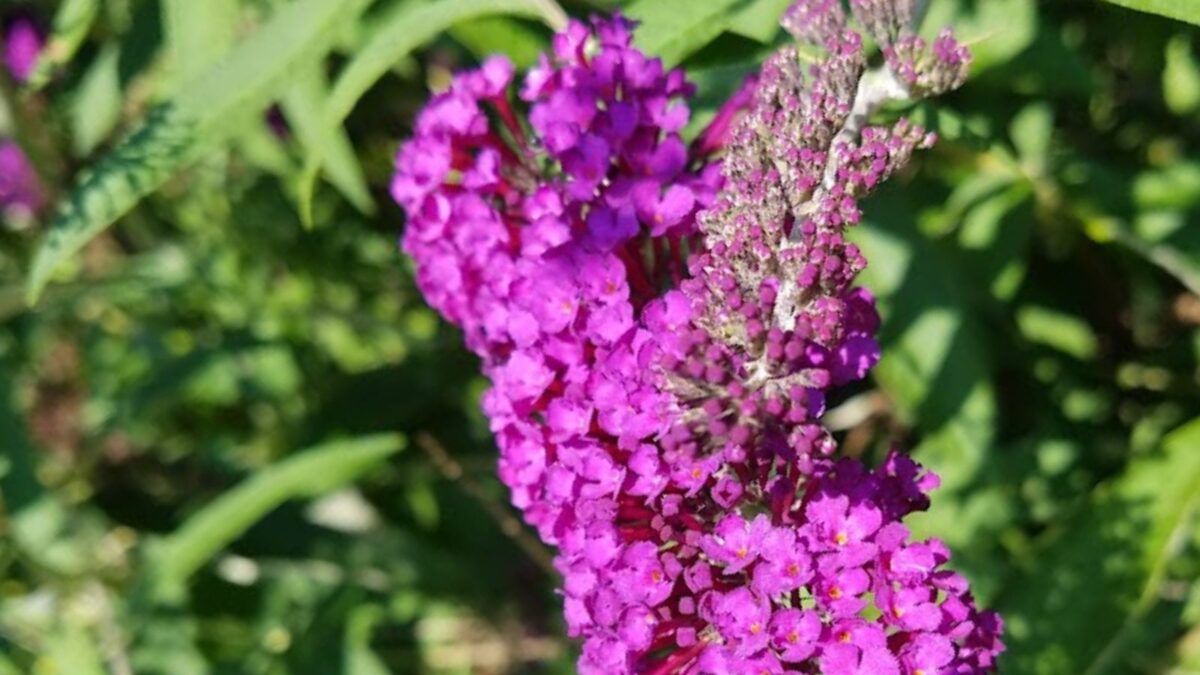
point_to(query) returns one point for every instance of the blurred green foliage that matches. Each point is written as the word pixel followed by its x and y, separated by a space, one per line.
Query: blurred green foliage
pixel 217 294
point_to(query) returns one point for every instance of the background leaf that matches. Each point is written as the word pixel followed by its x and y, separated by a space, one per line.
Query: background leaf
pixel 180 131
pixel 675 29
pixel 309 474
pixel 1184 10
pixel 1096 581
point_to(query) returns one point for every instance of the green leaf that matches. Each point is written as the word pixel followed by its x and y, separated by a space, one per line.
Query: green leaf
pixel 1183 10
pixel 1059 330
pixel 489 35
pixel 1173 188
pixel 73 651
pixel 96 104
pixel 19 486
pixel 358 657
pixel 406 27
pixel 714 86
pixel 760 20
pixel 199 118
pixel 1032 132
pixel 72 23
pixel 302 105
pixel 995 234
pixel 1092 584
pixel 936 362
pixel 937 370
pixel 198 34
pixel 1162 237
pixel 675 29
pixel 996 30
pixel 7 667
pixel 310 473
pixel 1181 77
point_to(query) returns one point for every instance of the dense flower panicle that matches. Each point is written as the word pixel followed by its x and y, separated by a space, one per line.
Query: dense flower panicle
pixel 20 190
pixel 535 241
pixel 661 332
pixel 23 40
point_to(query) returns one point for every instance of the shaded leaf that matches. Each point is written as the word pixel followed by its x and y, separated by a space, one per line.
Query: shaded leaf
pixel 199 118
pixel 1099 577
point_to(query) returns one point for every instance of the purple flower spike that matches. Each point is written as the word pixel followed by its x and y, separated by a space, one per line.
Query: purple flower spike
pixel 662 330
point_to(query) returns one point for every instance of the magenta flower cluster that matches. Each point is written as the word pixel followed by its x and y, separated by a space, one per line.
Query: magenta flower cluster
pixel 661 325
pixel 20 189
pixel 23 41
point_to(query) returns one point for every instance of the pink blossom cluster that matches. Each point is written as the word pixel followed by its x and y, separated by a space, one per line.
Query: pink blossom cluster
pixel 20 189
pixel 661 329
pixel 23 41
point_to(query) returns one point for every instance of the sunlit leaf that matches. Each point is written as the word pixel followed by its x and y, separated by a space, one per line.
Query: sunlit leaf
pixel 198 34
pixel 760 20
pixel 96 108
pixel 302 105
pixel 1181 77
pixel 309 473
pixel 674 29
pixel 1183 10
pixel 72 22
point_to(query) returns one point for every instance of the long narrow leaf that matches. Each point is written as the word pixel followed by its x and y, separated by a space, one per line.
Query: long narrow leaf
pixel 302 104
pixel 311 473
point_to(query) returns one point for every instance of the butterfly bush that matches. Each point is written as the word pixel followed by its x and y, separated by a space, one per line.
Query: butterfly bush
pixel 662 325
pixel 20 189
